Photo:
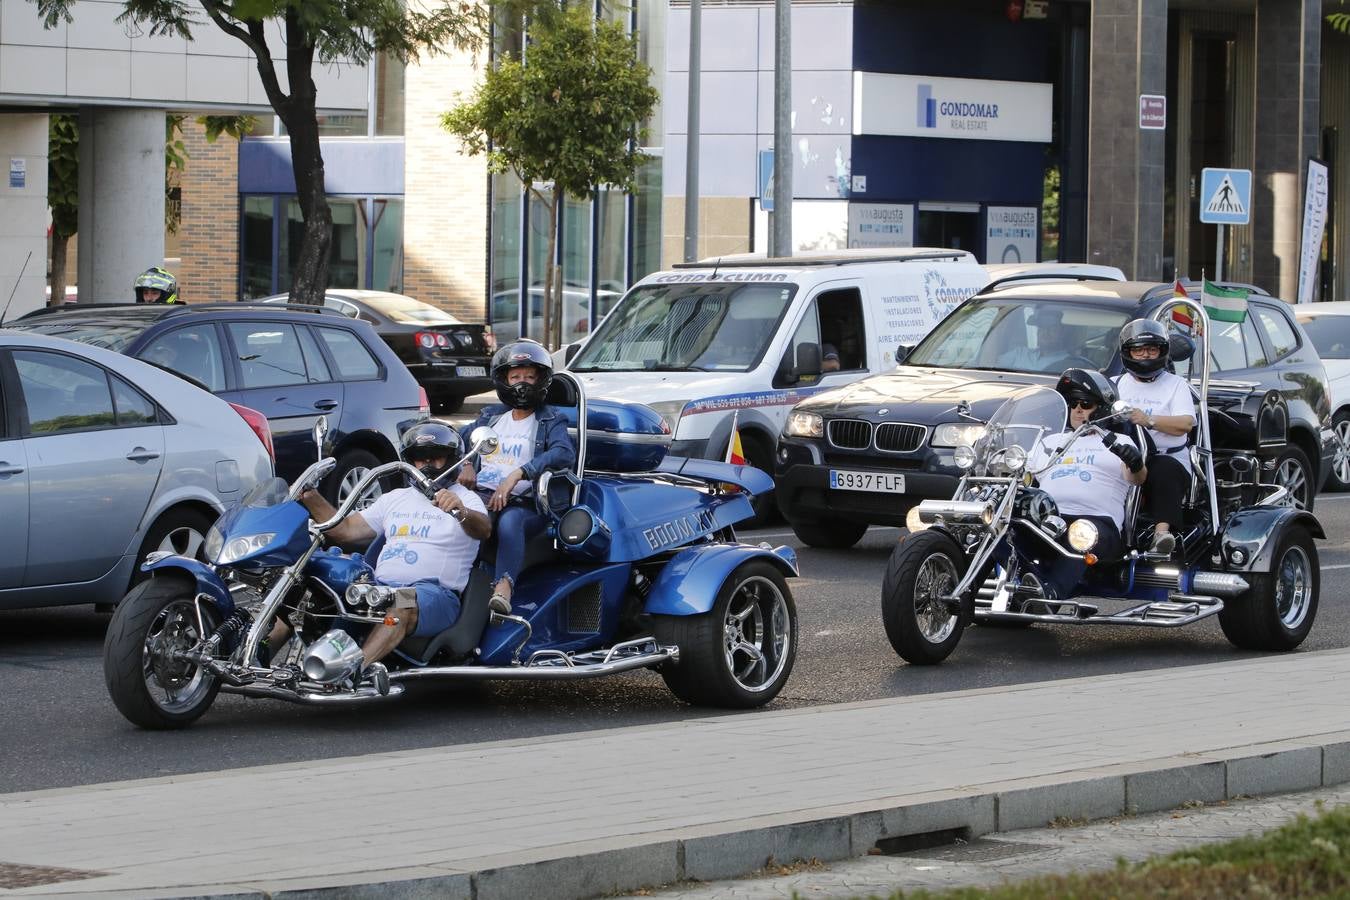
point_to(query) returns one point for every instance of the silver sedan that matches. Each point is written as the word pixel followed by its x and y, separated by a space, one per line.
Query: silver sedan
pixel 103 459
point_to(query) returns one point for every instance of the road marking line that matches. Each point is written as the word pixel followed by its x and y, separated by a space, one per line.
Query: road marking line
pixel 1337 566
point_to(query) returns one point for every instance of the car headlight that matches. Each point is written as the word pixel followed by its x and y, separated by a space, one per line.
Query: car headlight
pixel 240 547
pixel 1082 535
pixel 1015 458
pixel 964 456
pixel 804 424
pixel 954 434
pixel 669 411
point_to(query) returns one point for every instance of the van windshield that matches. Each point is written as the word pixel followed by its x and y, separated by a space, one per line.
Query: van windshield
pixel 687 328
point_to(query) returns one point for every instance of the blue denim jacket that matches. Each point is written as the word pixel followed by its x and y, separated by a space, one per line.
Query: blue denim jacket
pixel 553 448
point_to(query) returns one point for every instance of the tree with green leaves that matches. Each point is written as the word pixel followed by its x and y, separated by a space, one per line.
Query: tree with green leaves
pixel 566 120
pixel 322 31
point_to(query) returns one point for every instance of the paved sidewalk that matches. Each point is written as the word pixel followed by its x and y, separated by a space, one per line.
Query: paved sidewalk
pixel 592 813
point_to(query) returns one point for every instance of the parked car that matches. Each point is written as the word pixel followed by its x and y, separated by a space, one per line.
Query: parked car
pixel 104 459
pixel 292 365
pixel 1328 326
pixel 870 451
pixel 449 358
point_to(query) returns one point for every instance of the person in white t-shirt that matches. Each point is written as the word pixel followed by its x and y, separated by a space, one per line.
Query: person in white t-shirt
pixel 429 545
pixel 531 439
pixel 1161 402
pixel 1092 479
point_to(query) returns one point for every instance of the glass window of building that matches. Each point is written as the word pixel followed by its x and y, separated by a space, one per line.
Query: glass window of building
pixel 256 262
pixel 366 250
pixel 576 265
pixel 505 276
pixel 386 256
pixel 389 81
pixel 646 226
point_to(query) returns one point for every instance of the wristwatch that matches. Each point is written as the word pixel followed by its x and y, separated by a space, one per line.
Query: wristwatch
pixel 458 513
pixel 1151 423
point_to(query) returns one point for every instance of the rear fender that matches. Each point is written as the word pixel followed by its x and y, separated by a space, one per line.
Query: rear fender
pixel 689 583
pixel 201 574
pixel 1253 533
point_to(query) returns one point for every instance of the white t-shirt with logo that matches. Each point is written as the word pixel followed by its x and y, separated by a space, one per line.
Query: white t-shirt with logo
pixel 515 447
pixel 1088 481
pixel 420 541
pixel 1166 395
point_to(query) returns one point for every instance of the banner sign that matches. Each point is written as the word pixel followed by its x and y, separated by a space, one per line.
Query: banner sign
pixel 1012 234
pixel 880 225
pixel 1314 224
pixel 965 108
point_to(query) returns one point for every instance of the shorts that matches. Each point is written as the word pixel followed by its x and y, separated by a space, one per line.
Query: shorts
pixel 437 608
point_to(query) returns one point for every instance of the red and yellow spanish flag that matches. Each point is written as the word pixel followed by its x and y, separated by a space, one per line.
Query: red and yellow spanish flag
pixel 735 453
pixel 1181 315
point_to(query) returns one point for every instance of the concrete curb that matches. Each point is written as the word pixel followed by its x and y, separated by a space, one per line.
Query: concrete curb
pixel 590 869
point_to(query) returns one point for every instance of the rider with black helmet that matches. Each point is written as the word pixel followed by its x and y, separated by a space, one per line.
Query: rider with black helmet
pixel 532 438
pixel 1161 402
pixel 1089 482
pixel 429 548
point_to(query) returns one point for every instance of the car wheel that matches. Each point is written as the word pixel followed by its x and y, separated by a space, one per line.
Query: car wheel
pixel 1293 472
pixel 1339 478
pixel 923 567
pixel 831 534
pixel 739 654
pixel 351 468
pixel 444 406
pixel 180 531
pixel 1277 613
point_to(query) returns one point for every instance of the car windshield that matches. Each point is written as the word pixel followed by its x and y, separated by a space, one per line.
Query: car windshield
pixel 407 311
pixel 1022 334
pixel 1329 334
pixel 113 336
pixel 687 327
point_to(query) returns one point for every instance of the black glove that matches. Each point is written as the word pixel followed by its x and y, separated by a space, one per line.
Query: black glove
pixel 1133 460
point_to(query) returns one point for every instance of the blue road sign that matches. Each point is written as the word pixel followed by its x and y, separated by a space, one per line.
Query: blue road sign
pixel 766 180
pixel 1226 196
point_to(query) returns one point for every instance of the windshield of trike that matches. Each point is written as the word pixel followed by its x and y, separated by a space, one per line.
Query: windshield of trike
pixel 687 328
pixel 1022 334
pixel 1022 421
pixel 271 492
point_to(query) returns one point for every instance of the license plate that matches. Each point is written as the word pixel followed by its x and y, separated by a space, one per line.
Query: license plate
pixel 883 482
pixel 471 371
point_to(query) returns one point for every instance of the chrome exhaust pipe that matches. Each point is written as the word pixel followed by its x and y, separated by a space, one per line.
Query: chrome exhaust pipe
pixel 963 512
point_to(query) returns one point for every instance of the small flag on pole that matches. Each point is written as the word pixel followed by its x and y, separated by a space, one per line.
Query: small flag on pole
pixel 735 453
pixel 1179 314
pixel 1224 304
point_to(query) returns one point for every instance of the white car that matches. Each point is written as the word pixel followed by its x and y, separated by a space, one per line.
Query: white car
pixel 1328 325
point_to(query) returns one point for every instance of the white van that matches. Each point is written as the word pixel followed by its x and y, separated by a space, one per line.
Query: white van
pixel 746 336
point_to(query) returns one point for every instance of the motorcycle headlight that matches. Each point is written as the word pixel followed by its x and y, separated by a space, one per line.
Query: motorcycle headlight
pixel 954 434
pixel 214 542
pixel 1015 458
pixel 669 411
pixel 964 456
pixel 240 547
pixel 804 424
pixel 1082 535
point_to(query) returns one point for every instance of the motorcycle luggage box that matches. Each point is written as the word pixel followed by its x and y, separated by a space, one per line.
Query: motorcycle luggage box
pixel 621 437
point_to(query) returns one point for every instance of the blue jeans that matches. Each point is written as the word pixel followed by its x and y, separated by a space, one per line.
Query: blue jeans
pixel 437 608
pixel 515 526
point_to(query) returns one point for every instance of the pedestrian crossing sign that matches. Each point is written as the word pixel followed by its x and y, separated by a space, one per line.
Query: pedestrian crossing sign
pixel 1226 196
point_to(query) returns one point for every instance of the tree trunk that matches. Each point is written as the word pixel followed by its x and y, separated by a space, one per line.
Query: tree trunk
pixel 309 281
pixel 60 243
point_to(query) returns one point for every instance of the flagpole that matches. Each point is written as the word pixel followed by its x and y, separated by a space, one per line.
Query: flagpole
pixel 731 438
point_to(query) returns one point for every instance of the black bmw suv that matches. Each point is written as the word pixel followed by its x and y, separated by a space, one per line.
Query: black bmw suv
pixel 866 453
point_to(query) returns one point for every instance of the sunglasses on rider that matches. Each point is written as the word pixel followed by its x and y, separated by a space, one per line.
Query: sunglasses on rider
pixel 1082 404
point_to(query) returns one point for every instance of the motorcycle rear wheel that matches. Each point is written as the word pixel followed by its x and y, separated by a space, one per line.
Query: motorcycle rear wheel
pixel 922 567
pixel 148 685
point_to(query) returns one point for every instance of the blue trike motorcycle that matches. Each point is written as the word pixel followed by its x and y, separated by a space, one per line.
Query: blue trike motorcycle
pixel 1000 554
pixel 640 568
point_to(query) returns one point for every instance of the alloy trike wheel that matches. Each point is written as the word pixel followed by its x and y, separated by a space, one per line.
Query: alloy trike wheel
pixel 1277 613
pixel 921 574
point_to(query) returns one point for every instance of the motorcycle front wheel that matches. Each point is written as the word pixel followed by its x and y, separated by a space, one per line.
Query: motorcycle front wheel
pixel 922 568
pixel 146 679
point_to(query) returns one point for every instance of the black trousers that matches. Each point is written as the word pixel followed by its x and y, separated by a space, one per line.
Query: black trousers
pixel 1166 488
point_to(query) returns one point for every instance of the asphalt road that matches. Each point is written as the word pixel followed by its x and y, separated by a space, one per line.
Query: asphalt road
pixel 58 727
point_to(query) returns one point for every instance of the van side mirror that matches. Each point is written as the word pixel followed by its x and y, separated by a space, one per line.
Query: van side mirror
pixel 902 353
pixel 808 360
pixel 570 352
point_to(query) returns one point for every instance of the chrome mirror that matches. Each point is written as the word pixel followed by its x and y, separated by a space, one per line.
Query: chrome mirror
pixel 320 432
pixel 1120 407
pixel 484 440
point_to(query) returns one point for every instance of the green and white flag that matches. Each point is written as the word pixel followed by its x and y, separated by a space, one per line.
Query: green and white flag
pixel 1224 304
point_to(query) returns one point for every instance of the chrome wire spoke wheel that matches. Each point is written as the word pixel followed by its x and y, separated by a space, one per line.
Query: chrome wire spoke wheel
pixel 757 634
pixel 1291 477
pixel 354 477
pixel 1340 462
pixel 174 684
pixel 183 541
pixel 937 577
pixel 1293 587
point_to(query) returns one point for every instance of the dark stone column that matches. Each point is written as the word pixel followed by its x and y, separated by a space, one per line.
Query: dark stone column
pixel 1125 163
pixel 1288 66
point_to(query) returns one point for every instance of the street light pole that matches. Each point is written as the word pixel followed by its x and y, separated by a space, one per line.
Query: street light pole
pixel 691 146
pixel 780 220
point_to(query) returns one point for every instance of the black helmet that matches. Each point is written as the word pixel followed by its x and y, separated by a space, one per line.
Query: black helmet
pixel 1144 333
pixel 158 279
pixel 523 352
pixel 432 439
pixel 1086 384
